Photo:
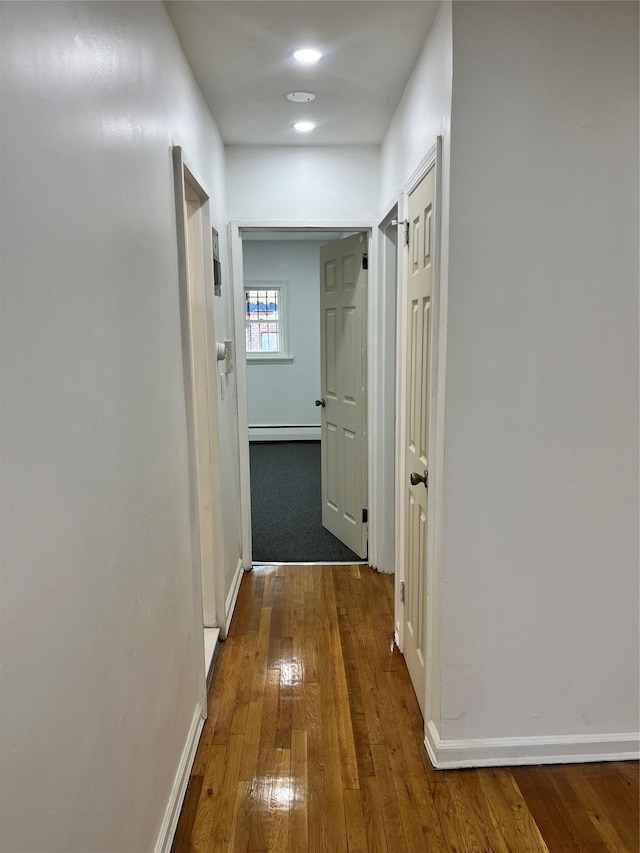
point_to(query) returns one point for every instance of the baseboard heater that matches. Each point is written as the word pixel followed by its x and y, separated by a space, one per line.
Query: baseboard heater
pixel 284 432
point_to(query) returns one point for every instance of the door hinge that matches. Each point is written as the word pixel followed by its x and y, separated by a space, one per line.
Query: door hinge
pixel 401 592
pixel 404 222
pixel 365 262
pixel 365 516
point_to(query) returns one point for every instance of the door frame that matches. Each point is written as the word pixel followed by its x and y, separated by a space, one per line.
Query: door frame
pixel 432 160
pixel 208 592
pixel 384 352
pixel 378 484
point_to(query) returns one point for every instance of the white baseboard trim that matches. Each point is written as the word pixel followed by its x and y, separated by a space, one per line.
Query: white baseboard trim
pixel 172 813
pixel 284 433
pixel 510 751
pixel 232 597
pixel 211 646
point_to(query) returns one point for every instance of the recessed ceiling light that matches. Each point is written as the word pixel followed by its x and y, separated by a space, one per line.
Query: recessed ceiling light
pixel 304 126
pixel 301 97
pixel 307 54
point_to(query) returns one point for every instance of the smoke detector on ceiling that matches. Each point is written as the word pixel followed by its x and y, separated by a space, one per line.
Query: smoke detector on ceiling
pixel 301 97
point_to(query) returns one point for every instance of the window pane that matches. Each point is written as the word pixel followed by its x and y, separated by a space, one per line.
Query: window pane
pixel 262 319
pixel 269 342
pixel 262 304
pixel 263 337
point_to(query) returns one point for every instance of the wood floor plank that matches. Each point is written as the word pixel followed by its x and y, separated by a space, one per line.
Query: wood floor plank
pixel 332 822
pixel 312 625
pixel 226 798
pixel 608 790
pixel 573 812
pixel 372 815
pixel 266 765
pixel 354 822
pixel 393 828
pixel 356 703
pixel 288 686
pixel 514 820
pixel 361 636
pixel 280 804
pixel 629 773
pixel 182 840
pixel 452 830
pixel 233 648
pixel 348 762
pixel 543 806
pixel 414 832
pixel 525 825
pixel 206 812
pixel 470 782
pixel 470 818
pixel 288 604
pixel 246 615
pixel 244 677
pixel 604 813
pixel 422 791
pixel 315 742
pixel 239 835
pixel 316 787
pixel 299 824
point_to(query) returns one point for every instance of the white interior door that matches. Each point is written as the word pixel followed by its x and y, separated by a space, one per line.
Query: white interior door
pixel 343 360
pixel 416 439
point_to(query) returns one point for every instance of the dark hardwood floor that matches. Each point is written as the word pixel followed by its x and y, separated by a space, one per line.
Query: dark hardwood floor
pixel 314 742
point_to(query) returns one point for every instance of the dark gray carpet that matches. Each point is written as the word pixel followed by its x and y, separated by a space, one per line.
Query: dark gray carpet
pixel 286 506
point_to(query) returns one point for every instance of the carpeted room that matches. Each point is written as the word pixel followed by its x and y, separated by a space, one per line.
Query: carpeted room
pixel 282 288
pixel 286 508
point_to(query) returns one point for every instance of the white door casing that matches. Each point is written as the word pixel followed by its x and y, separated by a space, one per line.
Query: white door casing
pixel 201 391
pixel 195 289
pixel 380 313
pixel 343 363
pixel 420 278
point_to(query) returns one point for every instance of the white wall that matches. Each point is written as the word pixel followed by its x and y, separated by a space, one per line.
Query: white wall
pixel 423 113
pixel 303 183
pixel 540 564
pixel 280 394
pixel 99 681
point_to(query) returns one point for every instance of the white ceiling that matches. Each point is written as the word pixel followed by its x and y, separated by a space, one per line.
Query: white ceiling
pixel 240 52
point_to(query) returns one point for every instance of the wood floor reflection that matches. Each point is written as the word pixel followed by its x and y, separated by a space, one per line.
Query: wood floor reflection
pixel 314 742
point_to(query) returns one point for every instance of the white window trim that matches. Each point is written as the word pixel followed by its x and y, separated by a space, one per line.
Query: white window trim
pixel 283 356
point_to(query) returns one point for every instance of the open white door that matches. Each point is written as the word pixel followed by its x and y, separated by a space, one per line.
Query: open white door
pixel 343 290
pixel 416 437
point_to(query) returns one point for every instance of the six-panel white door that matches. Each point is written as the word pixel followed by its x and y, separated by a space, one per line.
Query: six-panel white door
pixel 343 360
pixel 416 439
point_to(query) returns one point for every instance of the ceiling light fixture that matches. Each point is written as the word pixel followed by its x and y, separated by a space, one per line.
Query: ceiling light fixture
pixel 307 55
pixel 304 126
pixel 301 97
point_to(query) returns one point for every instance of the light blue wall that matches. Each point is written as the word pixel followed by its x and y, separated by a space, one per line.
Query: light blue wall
pixel 284 394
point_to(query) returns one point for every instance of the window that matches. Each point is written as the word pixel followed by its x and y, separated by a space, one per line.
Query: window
pixel 264 320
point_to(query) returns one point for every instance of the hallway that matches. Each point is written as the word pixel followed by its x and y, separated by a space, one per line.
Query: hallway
pixel 314 742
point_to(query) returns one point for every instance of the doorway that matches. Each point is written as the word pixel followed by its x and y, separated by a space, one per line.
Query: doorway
pixel 195 258
pixel 380 383
pixel 285 373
